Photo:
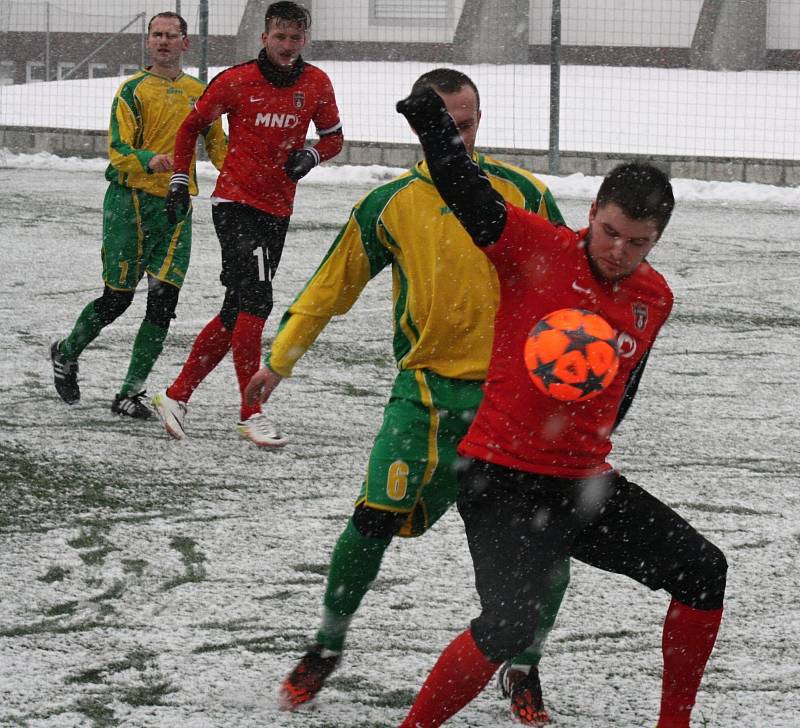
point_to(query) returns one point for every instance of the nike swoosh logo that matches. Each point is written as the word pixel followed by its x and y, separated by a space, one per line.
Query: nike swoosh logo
pixel 253 99
pixel 581 289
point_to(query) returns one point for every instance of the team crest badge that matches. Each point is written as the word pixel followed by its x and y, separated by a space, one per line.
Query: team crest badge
pixel 299 99
pixel 639 315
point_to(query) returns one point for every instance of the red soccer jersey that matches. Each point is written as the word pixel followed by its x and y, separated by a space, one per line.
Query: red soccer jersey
pixel 543 268
pixel 265 122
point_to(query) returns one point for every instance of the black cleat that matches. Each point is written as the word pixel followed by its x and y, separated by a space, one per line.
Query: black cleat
pixel 65 375
pixel 131 405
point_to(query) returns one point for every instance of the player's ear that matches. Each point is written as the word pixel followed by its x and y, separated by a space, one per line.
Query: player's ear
pixel 593 211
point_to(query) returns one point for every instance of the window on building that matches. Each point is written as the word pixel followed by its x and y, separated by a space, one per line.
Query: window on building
pixel 34 71
pixel 63 68
pixel 7 69
pixel 96 70
pixel 430 13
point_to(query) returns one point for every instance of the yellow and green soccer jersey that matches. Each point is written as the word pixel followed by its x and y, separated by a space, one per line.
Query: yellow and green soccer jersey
pixel 444 290
pixel 145 116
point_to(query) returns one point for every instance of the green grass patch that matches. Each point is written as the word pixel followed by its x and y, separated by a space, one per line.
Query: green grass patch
pixel 61 609
pixel 148 694
pixel 192 560
pixel 271 644
pixel 133 566
pixel 53 574
pixel 97 712
pixel 321 569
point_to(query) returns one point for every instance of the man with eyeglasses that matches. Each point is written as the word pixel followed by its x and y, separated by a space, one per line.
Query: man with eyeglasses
pixel 138 238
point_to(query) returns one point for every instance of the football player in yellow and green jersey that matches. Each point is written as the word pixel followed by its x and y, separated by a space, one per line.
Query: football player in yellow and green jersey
pixel 444 294
pixel 146 112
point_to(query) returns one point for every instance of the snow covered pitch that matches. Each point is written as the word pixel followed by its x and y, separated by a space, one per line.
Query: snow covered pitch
pixel 152 583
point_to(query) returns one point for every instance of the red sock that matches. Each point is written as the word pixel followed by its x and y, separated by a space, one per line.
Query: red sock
pixel 459 674
pixel 208 350
pixel 688 638
pixel 246 348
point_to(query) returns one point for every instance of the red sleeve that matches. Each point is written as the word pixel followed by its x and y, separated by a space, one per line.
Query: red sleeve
pixel 330 145
pixel 328 124
pixel 210 106
pixel 186 140
pixel 524 234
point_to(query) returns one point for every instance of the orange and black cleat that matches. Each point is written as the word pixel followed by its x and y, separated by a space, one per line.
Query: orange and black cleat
pixel 525 691
pixel 308 677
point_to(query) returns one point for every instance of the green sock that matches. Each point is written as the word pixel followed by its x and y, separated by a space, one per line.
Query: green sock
pixel 85 330
pixel 147 347
pixel 354 565
pixel 559 583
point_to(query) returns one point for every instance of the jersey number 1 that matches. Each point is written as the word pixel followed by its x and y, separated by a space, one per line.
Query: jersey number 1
pixel 264 272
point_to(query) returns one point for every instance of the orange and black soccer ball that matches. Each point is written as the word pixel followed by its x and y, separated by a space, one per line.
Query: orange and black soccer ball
pixel 572 355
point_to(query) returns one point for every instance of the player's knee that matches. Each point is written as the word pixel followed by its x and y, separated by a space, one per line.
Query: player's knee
pixel 372 523
pixel 112 304
pixel 503 638
pixel 703 584
pixel 256 299
pixel 230 309
pixel 162 300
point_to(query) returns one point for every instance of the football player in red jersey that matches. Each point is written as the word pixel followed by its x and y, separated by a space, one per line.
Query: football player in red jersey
pixel 270 102
pixel 536 485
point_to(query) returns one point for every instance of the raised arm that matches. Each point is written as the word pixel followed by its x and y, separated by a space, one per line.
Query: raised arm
pixel 462 185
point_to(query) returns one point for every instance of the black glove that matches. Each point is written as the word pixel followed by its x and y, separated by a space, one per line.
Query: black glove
pixel 424 110
pixel 463 186
pixel 300 162
pixel 177 200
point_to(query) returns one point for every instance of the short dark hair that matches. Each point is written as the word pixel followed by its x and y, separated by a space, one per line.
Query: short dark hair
pixel 446 80
pixel 289 11
pixel 170 14
pixel 642 191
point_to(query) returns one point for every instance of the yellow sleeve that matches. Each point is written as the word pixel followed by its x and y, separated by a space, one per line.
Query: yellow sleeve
pixel 125 131
pixel 331 291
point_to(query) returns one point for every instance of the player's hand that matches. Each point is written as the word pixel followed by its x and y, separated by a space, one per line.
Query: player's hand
pixel 423 110
pixel 300 162
pixel 160 163
pixel 177 201
pixel 261 385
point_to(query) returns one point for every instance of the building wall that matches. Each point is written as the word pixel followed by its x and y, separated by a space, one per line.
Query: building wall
pixel 603 32
pixel 121 56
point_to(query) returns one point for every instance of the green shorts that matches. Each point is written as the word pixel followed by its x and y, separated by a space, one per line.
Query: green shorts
pixel 138 239
pixel 412 464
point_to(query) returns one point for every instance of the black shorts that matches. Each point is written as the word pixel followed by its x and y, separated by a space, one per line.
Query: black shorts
pixel 251 242
pixel 520 526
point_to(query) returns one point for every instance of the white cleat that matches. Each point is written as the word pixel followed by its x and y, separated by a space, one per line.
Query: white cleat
pixel 171 412
pixel 261 431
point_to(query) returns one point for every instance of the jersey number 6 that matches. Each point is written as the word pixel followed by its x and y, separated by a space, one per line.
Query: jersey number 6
pixel 397 480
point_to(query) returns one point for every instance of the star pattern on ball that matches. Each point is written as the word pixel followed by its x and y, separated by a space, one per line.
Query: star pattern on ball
pixel 571 355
